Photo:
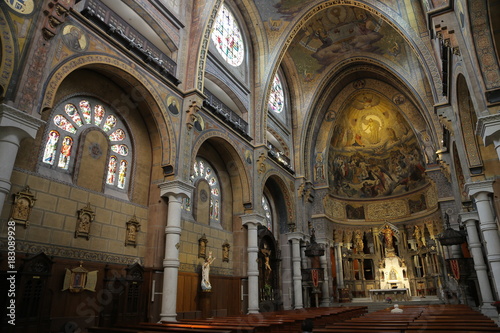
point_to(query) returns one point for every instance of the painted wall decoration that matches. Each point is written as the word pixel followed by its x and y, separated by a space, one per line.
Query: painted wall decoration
pixel 341 31
pixel 373 152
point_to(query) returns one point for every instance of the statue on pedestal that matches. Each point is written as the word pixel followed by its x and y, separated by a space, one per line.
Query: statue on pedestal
pixel 205 273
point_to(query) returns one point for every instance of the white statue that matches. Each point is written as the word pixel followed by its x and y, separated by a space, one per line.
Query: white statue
pixel 205 272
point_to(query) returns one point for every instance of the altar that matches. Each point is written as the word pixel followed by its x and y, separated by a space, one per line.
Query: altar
pixel 395 294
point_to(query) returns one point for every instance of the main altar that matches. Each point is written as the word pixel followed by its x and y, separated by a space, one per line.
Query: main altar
pixel 389 263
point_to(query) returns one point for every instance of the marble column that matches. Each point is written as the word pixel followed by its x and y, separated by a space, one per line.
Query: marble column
pixel 252 221
pixel 15 125
pixel 480 192
pixel 488 127
pixel 175 191
pixel 325 288
pixel 470 219
pixel 295 238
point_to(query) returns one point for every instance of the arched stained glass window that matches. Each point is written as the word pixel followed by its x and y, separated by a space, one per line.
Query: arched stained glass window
pixel 277 97
pixel 49 154
pixel 69 121
pixel 203 170
pixel 267 212
pixel 227 37
pixel 65 156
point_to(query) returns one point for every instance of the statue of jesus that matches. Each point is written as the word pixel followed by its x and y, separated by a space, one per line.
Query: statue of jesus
pixel 205 273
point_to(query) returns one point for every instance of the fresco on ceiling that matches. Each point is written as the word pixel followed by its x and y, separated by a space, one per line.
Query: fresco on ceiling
pixel 343 31
pixel 373 152
pixel 280 9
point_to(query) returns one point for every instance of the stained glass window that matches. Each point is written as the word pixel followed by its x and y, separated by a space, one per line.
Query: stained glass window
pixel 65 156
pixel 69 121
pixel 277 97
pixel 203 170
pixel 227 37
pixel 110 179
pixel 49 154
pixel 267 212
pixel 122 174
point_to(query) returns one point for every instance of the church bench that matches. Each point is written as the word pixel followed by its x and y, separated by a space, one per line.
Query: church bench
pixel 454 320
pixel 468 329
pixel 141 330
pixel 165 327
pixel 358 330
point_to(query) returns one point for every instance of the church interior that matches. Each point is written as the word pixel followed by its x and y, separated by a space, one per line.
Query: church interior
pixel 164 160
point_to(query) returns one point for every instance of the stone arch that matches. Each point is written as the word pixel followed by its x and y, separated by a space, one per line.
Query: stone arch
pixel 342 77
pixel 139 87
pixel 283 196
pixel 235 165
pixel 8 54
pixel 424 54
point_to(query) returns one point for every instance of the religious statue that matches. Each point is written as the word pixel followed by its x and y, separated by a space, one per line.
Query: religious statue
pixel 205 273
pixel 388 233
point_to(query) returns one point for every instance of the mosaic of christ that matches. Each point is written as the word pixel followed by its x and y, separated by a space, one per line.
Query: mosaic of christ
pixel 373 152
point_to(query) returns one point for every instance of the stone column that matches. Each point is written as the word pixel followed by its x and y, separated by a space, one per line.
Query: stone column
pixel 470 219
pixel 325 288
pixel 175 191
pixel 252 221
pixel 488 127
pixel 480 192
pixel 295 238
pixel 15 125
pixel 338 265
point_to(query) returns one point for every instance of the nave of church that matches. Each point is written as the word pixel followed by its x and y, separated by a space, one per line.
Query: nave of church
pixel 169 160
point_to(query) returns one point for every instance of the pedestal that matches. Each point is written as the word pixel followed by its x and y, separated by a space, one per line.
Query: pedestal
pixel 206 303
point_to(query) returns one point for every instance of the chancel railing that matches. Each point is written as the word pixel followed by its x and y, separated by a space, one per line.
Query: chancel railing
pixel 223 112
pixel 98 13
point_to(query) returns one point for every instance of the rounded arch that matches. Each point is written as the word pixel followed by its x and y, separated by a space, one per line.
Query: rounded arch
pixel 424 55
pixel 347 84
pixel 234 162
pixel 8 54
pixel 282 196
pixel 140 90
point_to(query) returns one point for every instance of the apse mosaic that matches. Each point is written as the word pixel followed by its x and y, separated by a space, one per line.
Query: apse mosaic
pixel 373 152
pixel 67 125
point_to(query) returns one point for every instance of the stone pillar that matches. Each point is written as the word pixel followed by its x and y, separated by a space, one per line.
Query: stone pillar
pixel 252 221
pixel 480 192
pixel 15 125
pixel 488 127
pixel 175 191
pixel 338 265
pixel 470 219
pixel 295 238
pixel 325 288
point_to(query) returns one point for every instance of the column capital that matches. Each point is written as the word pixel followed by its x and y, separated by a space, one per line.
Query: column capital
pixel 295 235
pixel 25 123
pixel 176 187
pixel 488 127
pixel 466 217
pixel 253 219
pixel 475 188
